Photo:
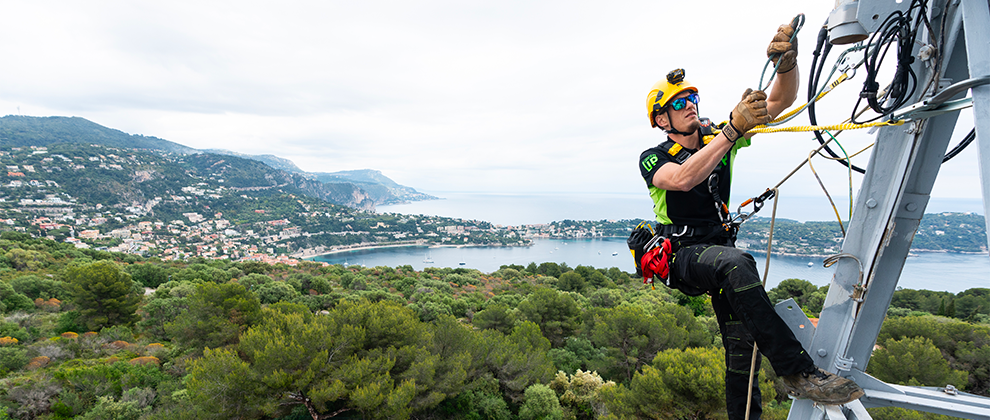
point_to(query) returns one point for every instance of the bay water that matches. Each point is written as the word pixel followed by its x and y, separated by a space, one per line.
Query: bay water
pixel 931 271
pixel 513 209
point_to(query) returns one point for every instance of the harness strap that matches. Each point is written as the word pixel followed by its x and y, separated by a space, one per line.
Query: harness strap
pixel 677 231
pixel 678 152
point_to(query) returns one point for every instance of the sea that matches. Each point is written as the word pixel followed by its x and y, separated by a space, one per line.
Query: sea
pixel 921 270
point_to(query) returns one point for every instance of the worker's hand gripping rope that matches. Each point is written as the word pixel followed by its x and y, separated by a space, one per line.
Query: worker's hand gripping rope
pixel 782 52
pixel 783 49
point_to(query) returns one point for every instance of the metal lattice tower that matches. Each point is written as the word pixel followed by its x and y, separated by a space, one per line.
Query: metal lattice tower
pixel 892 200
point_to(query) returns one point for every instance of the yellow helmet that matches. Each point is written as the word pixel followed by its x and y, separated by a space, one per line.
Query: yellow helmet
pixel 663 91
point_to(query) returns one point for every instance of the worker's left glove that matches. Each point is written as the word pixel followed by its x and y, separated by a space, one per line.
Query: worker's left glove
pixel 750 112
pixel 783 50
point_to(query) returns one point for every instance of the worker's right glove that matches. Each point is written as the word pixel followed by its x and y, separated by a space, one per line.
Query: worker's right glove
pixel 750 112
pixel 783 50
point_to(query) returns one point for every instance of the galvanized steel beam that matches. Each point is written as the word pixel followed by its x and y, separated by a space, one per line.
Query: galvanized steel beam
pixel 893 197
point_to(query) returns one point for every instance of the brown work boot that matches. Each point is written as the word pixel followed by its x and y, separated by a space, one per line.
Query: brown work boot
pixel 822 387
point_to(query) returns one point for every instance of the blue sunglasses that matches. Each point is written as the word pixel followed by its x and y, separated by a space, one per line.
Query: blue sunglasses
pixel 679 103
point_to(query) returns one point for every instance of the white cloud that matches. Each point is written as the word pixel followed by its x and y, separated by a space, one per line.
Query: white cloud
pixel 439 95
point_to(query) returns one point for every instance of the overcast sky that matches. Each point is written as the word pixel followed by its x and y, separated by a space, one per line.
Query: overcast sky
pixel 506 96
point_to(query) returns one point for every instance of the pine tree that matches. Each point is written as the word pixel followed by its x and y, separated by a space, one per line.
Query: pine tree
pixel 104 294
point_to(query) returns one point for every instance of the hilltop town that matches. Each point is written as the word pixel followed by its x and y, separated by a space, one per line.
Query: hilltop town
pixel 175 206
pixel 164 205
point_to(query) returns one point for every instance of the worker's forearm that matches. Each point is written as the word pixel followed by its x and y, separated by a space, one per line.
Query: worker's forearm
pixel 784 92
pixel 695 169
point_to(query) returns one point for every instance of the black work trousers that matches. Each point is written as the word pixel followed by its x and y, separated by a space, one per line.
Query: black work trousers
pixel 744 314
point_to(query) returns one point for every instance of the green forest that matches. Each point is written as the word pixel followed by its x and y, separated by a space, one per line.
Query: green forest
pixel 97 335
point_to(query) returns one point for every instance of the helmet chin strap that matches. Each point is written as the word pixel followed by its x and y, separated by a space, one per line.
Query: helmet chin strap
pixel 674 130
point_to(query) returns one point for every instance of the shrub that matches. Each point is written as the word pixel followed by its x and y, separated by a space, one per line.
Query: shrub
pixel 54 351
pixel 321 285
pixel 32 397
pixel 38 363
pixel 11 301
pixel 119 344
pixel 39 287
pixel 50 305
pixel 12 330
pixel 276 291
pixel 541 403
pixel 253 280
pixel 579 392
pixel 69 321
pixel 12 358
pixel 145 360
pixel 110 408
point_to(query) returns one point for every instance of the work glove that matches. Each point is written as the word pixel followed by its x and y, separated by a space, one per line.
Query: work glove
pixel 783 50
pixel 750 112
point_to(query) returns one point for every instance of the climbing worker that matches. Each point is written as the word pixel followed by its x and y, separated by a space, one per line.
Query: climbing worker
pixel 689 182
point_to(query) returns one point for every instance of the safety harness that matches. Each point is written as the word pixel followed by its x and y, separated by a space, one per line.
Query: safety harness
pixel 681 155
pixel 653 251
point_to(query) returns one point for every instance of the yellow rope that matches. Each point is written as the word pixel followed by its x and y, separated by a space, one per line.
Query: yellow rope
pixel 800 128
pixel 829 196
pixel 834 127
pixel 843 77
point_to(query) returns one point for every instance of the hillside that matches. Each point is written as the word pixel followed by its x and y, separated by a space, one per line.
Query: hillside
pixel 176 206
pixel 347 187
pixel 90 334
pixel 112 176
pixel 937 232
pixel 17 130
pixel 378 186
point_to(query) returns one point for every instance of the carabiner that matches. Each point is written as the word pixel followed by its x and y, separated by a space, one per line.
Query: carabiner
pixel 757 205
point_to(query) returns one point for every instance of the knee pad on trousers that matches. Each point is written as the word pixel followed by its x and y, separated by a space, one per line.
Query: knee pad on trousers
pixel 738 345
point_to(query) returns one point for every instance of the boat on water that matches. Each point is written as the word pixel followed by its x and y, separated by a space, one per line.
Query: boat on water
pixel 462 263
pixel 429 259
pixel 615 253
pixel 811 264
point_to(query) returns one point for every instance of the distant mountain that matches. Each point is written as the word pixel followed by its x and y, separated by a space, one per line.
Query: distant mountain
pixel 18 130
pixel 366 184
pixel 368 176
pixel 248 174
pixel 381 189
pixel 270 160
pixel 110 176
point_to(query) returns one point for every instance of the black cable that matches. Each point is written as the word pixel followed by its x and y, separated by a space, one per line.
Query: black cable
pixel 961 146
pixel 822 48
pixel 895 29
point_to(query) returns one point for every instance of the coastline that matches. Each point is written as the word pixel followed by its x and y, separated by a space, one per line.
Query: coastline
pixel 309 254
pixel 910 253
